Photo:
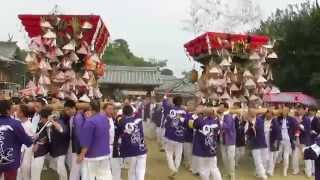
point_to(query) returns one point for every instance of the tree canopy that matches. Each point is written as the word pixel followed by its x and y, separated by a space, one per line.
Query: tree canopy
pixel 167 72
pixel 296 30
pixel 118 53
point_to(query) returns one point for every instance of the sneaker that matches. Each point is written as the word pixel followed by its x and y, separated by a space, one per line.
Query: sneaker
pixel 265 177
pixel 295 173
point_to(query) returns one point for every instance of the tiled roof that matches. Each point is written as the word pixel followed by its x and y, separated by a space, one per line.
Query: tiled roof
pixel 127 75
pixel 8 49
pixel 177 86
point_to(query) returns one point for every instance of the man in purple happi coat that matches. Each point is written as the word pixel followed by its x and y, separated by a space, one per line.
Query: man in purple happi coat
pixel 94 140
pixel 12 137
pixel 174 132
pixel 228 140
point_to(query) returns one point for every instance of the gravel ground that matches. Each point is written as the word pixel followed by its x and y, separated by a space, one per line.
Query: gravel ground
pixel 157 169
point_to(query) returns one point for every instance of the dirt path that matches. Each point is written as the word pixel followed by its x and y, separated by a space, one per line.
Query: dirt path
pixel 157 169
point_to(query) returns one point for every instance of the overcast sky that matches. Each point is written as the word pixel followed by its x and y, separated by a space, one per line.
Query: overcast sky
pixel 153 28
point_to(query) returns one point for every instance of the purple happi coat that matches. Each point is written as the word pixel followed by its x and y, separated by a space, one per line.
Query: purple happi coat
pixel 306 137
pixel 240 131
pixel 131 137
pixel 12 137
pixel 228 129
pixel 256 135
pixel 188 135
pixel 95 136
pixel 77 127
pixel 174 122
pixel 292 126
pixel 313 153
pixel 206 136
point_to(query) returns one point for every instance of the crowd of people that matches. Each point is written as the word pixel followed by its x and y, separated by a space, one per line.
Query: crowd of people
pixel 201 135
pixel 97 140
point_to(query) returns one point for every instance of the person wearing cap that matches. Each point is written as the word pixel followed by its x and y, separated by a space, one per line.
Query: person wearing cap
pixel 60 139
pixel 131 143
pixel 12 137
pixel 205 141
pixel 95 146
pixel 228 140
pixel 174 133
pixel 289 128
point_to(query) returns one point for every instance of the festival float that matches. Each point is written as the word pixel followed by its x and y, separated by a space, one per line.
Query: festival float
pixel 65 55
pixel 236 68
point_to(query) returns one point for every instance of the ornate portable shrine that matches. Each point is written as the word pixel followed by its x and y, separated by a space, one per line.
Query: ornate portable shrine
pixel 236 67
pixel 65 55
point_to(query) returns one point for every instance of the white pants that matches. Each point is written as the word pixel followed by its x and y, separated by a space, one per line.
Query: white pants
pixel 271 162
pixel 228 158
pixel 69 157
pixel 75 168
pixel 96 170
pixel 160 136
pixel 137 167
pixel 208 168
pixel 195 164
pixel 60 166
pixel 116 164
pixel 149 128
pixel 187 154
pixel 296 156
pixel 260 157
pixel 285 152
pixel 24 172
pixel 240 153
pixel 174 149
pixel 36 167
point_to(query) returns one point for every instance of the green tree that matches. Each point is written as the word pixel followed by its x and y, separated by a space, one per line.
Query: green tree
pixel 297 31
pixel 118 53
pixel 167 72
